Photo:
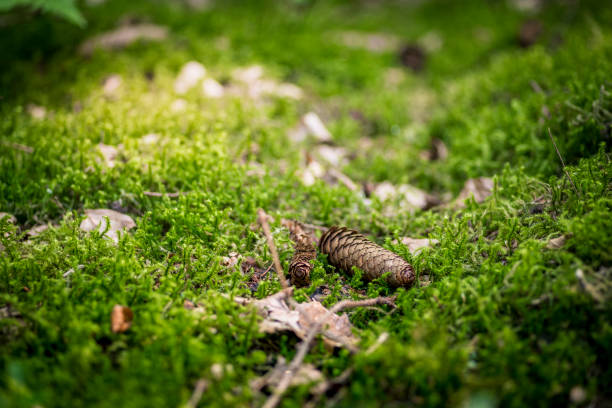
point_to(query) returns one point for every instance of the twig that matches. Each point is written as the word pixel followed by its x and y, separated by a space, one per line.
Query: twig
pixel 156 194
pixel 262 217
pixel 199 389
pixel 562 162
pixel 305 345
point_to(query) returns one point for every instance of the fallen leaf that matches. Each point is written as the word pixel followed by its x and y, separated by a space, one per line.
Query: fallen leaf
pixel 480 188
pixel 408 196
pixel 178 105
pixel 374 42
pixel 97 220
pixel 149 139
pixel 37 230
pixel 313 171
pixel 278 316
pixel 10 218
pixel 189 76
pixel 121 318
pixel 315 127
pixel 212 88
pixel 333 155
pixel 416 245
pixel 122 37
pixel 556 243
pixel 109 153
pixel 111 85
pixel 36 112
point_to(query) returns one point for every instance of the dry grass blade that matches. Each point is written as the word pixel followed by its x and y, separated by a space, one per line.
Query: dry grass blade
pixel 262 217
pixel 552 139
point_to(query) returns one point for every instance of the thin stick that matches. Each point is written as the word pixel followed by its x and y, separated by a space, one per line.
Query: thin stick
pixel 262 217
pixel 562 162
pixel 199 389
pixel 305 345
pixel 156 194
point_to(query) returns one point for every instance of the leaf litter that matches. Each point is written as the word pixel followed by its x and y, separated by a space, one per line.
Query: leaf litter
pixel 106 221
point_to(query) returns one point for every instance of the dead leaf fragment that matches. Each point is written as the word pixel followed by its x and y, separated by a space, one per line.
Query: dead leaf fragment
pixel 191 73
pixel 122 37
pixel 121 318
pixel 36 112
pixel 480 188
pixel 212 88
pixel 97 220
pixel 409 197
pixel 278 316
pixel 556 243
pixel 111 85
pixel 416 245
pixel 10 218
pixel 314 125
pixel 374 42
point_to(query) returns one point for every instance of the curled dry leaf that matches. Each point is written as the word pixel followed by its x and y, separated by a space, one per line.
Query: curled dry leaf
pixel 556 243
pixel 278 316
pixel 416 245
pixel 97 220
pixel 374 42
pixel 191 73
pixel 212 88
pixel 480 188
pixel 36 112
pixel 121 318
pixel 122 37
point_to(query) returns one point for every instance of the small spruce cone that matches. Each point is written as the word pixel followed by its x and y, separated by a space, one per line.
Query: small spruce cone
pixel 347 248
pixel 300 266
pixel 305 251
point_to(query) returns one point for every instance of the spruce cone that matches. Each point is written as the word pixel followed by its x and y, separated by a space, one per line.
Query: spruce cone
pixel 347 248
pixel 305 251
pixel 300 266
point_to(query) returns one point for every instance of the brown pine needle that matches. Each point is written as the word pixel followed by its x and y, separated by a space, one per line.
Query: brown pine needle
pixel 262 217
pixel 562 162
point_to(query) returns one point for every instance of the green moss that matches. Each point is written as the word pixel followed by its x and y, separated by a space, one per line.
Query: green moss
pixel 506 320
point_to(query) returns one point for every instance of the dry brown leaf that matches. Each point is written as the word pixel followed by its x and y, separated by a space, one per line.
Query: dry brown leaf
pixel 278 316
pixel 36 112
pixel 416 245
pixel 409 196
pixel 37 230
pixel 97 220
pixel 10 218
pixel 111 85
pixel 374 42
pixel 212 88
pixel 312 173
pixel 121 318
pixel 480 188
pixel 122 37
pixel 556 243
pixel 191 73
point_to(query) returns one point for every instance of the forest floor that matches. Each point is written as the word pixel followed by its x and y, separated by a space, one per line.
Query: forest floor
pixel 441 121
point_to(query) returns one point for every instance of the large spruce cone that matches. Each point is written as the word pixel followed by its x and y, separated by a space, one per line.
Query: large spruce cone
pixel 347 248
